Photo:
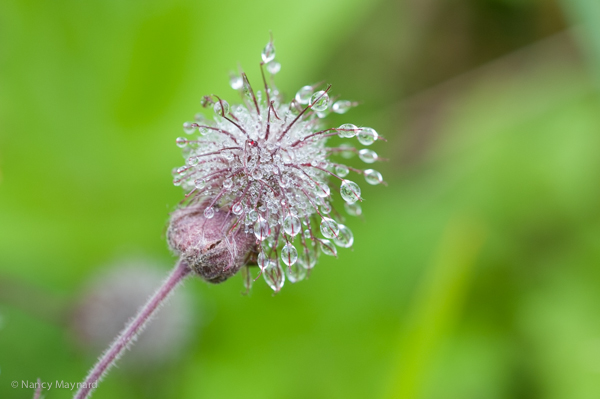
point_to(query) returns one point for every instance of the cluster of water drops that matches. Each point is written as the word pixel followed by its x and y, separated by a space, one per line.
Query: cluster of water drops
pixel 265 161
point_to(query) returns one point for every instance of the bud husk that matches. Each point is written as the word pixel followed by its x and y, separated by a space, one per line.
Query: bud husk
pixel 212 252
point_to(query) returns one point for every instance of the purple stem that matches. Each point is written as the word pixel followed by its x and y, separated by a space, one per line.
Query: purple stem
pixel 135 327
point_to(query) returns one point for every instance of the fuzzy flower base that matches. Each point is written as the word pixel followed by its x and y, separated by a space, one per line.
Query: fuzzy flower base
pixel 262 169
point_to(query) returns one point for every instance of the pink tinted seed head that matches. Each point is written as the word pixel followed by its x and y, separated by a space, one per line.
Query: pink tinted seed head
pixel 260 178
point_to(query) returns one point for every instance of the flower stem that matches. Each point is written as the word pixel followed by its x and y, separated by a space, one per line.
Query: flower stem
pixel 131 331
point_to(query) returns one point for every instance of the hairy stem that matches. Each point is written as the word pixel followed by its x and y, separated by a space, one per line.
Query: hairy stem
pixel 131 331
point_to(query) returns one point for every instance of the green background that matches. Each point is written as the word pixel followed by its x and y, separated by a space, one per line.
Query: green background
pixel 474 274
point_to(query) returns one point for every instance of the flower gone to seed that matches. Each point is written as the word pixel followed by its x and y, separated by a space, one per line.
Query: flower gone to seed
pixel 262 170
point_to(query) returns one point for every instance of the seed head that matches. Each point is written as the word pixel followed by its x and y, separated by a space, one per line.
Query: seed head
pixel 260 172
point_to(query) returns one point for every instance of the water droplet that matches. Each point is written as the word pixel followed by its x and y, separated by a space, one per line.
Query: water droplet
pixel 307 259
pixel 329 228
pixel 181 142
pixel 367 136
pixel 341 170
pixel 353 209
pixel 199 183
pixel 188 128
pixel 325 208
pixel 350 191
pixel 341 107
pixel 323 114
pixel 296 273
pixel 237 208
pixel 347 130
pixel 345 237
pixel 253 215
pixel 319 101
pixel 289 255
pixel 373 177
pixel 236 82
pixel 307 233
pixel 257 173
pixel 262 229
pixel 268 53
pixel 247 278
pixel 209 212
pixel 328 248
pixel 291 225
pixel 285 181
pixel 273 67
pixel 303 95
pixel 227 183
pixel 347 150
pixel 262 260
pixel 274 276
pixel 204 130
pixel 193 161
pixel 221 107
pixel 322 190
pixel 367 156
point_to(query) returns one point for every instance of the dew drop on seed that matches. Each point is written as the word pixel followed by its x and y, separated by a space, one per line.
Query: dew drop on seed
pixel 319 101
pixel 262 229
pixel 341 170
pixel 289 255
pixel 274 276
pixel 325 208
pixel 307 259
pixel 262 260
pixel 199 183
pixel 253 215
pixel 291 225
pixel 193 161
pixel 341 107
pixel 237 208
pixel 221 107
pixel 345 237
pixel 181 142
pixel 236 82
pixel 188 128
pixel 367 136
pixel 329 228
pixel 353 209
pixel 227 183
pixel 257 174
pixel 322 190
pixel 247 278
pixel 307 233
pixel 209 212
pixel 273 67
pixel 268 53
pixel 347 130
pixel 303 95
pixel 204 130
pixel 347 150
pixel 328 248
pixel 373 177
pixel 367 156
pixel 296 273
pixel 350 191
